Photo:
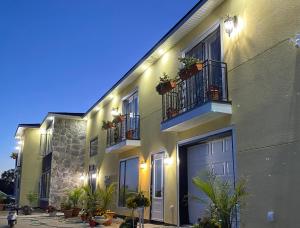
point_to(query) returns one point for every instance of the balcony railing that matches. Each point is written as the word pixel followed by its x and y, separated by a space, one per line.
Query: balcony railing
pixel 127 129
pixel 209 84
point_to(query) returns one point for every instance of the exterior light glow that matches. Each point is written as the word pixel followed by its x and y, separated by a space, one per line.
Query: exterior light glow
pixel 167 159
pixel 143 165
pixel 82 177
pixel 115 111
pixel 94 175
pixel 20 142
pixel 161 51
pixel 18 147
pixel 50 118
pixel 43 131
pixel 230 24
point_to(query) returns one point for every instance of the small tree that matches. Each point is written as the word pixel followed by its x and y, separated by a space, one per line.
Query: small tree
pixel 223 198
pixel 106 196
pixel 32 198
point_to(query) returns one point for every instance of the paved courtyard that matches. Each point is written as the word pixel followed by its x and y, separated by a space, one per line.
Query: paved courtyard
pixel 44 221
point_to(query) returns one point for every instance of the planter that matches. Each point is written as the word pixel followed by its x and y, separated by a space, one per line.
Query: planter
pixel 68 213
pixel 92 223
pixel 84 217
pixel 213 93
pixel 171 112
pixel 2 207
pixel 119 119
pixel 76 211
pixel 52 214
pixel 129 134
pixel 110 214
pixel 164 87
pixel 27 210
pixel 185 74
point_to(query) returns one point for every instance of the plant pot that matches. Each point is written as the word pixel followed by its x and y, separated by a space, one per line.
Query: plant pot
pixel 129 134
pixel 83 217
pixel 68 213
pixel 27 210
pixel 76 211
pixel 92 223
pixel 110 214
pixel 165 87
pixel 52 214
pixel 213 93
pixel 129 222
pixel 171 112
pixel 185 74
pixel 2 207
pixel 108 222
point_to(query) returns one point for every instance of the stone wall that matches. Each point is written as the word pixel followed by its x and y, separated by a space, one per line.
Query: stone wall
pixel 68 145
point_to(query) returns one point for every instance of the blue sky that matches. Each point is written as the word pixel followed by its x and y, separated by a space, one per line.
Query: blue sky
pixel 62 55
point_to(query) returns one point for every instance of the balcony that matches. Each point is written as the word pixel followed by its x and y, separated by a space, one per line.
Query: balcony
pixel 197 100
pixel 124 135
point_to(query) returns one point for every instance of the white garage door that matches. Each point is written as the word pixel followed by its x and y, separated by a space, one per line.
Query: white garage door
pixel 215 155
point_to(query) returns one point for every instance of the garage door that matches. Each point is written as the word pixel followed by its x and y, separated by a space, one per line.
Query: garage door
pixel 215 155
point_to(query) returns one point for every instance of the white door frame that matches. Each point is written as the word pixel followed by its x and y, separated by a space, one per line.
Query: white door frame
pixel 163 183
pixel 197 138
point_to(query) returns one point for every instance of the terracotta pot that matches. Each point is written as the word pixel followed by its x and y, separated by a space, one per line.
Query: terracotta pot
pixel 185 74
pixel 171 112
pixel 68 213
pixel 110 214
pixel 83 217
pixel 108 222
pixel 213 93
pixel 165 87
pixel 92 223
pixel 129 134
pixel 75 212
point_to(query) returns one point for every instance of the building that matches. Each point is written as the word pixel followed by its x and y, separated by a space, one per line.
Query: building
pixel 238 116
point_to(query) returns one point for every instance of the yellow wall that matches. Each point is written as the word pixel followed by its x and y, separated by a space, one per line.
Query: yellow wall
pixel 31 165
pixel 263 74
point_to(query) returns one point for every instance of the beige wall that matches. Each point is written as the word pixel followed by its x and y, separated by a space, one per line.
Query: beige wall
pixel 31 165
pixel 264 88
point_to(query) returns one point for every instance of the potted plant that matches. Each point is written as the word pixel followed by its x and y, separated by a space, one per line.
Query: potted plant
pixel 129 134
pixel 66 208
pixel 107 125
pixel 51 210
pixel 191 66
pixel 165 84
pixel 171 112
pixel 213 93
pixel 32 199
pixel 106 197
pixel 224 200
pixel 137 201
pixel 83 215
pixel 118 119
pixel 74 197
pixel 14 155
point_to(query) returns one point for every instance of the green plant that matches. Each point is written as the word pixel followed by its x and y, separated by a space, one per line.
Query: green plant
pixel 106 196
pixel 91 200
pixel 32 198
pixel 188 62
pixel 2 198
pixel 66 205
pixel 107 124
pixel 14 155
pixel 223 198
pixel 74 196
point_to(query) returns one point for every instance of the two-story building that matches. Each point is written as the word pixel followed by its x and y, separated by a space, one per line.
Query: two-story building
pixel 238 115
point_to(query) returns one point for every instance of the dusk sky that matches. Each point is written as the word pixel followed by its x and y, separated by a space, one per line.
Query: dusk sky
pixel 62 55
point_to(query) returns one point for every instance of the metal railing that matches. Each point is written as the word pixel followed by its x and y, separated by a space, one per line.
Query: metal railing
pixel 209 84
pixel 127 128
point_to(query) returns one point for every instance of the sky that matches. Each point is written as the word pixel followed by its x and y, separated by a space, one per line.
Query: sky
pixel 63 55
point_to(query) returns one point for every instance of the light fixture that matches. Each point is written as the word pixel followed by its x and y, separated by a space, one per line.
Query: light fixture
pixel 94 175
pixel 82 177
pixel 115 112
pixel 167 159
pixel 143 165
pixel 296 40
pixel 50 118
pixel 230 24
pixel 17 147
pixel 20 142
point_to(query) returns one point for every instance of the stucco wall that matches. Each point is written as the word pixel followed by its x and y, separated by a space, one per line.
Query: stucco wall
pixel 264 87
pixel 31 165
pixel 68 144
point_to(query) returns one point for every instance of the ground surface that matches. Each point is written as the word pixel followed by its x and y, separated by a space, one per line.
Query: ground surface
pixel 44 221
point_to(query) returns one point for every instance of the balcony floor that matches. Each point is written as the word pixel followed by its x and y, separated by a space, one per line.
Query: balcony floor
pixel 123 146
pixel 197 116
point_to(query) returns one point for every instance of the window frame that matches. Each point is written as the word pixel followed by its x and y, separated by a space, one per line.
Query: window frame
pixel 119 172
pixel 97 145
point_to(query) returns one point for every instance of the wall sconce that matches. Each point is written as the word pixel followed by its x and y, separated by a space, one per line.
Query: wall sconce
pixel 167 159
pixel 143 165
pixel 230 24
pixel 296 40
pixel 94 176
pixel 115 112
pixel 82 177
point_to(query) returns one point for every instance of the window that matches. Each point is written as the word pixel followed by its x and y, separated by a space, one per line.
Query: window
pixel 93 147
pixel 45 185
pixel 92 177
pixel 128 179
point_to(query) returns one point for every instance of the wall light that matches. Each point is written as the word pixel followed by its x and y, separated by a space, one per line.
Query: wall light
pixel 50 118
pixel 82 177
pixel 17 147
pixel 20 142
pixel 94 175
pixel 296 40
pixel 167 159
pixel 143 165
pixel 230 24
pixel 115 111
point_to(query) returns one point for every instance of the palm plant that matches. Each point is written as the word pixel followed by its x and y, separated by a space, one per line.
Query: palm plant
pixel 223 198
pixel 91 200
pixel 74 196
pixel 106 196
